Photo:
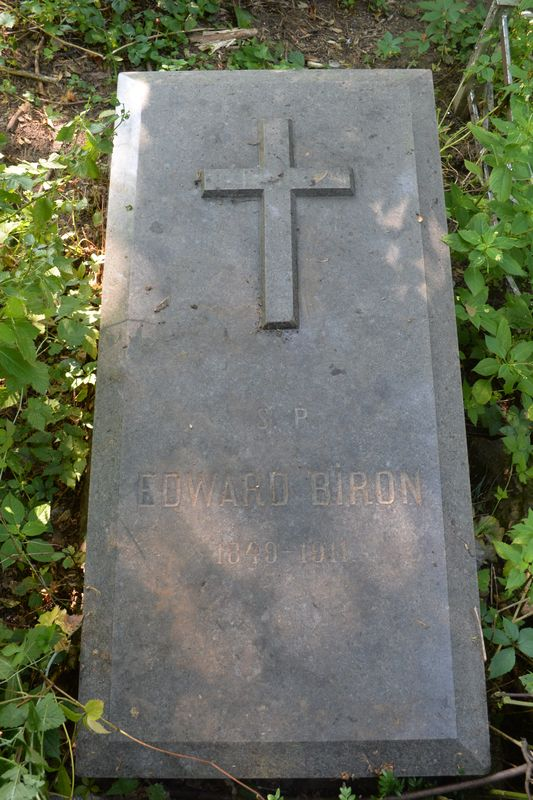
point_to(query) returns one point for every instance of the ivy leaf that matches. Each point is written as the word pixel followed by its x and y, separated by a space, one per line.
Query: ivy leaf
pixel 502 662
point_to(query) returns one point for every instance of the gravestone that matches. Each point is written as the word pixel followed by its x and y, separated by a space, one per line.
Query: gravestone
pixel 280 563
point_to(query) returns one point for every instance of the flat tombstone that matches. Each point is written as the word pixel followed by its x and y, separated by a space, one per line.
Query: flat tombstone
pixel 281 570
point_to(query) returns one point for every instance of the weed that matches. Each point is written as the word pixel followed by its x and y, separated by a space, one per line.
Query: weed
pixel 388 46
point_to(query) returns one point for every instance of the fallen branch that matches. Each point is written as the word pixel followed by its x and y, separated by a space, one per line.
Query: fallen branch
pixel 23 73
pixel 198 35
pixel 64 43
pixel 14 117
pixel 208 36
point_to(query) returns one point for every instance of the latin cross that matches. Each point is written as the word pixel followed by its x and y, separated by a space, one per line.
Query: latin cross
pixel 277 181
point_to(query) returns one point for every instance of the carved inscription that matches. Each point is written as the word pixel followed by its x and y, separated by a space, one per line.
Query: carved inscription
pixel 276 488
pixel 253 554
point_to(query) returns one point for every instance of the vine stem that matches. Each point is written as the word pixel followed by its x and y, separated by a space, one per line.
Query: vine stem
pixel 189 757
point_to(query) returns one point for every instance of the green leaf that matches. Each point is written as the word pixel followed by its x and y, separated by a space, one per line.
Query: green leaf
pixel 23 373
pixel 41 513
pixel 49 713
pixel 510 264
pixel 502 662
pixel 501 181
pixel 500 343
pixel 33 528
pixel 72 332
pixel 73 716
pixel 475 169
pixel 497 636
pixel 488 139
pixel 13 714
pixel 515 579
pixel 95 726
pixel 487 366
pixel 66 134
pixel 525 642
pixel 157 792
pixel 523 351
pixel 511 628
pixel 94 709
pixel 482 391
pixel 14 308
pixel 244 18
pixel 42 211
pixel 42 551
pixel 122 786
pixel 62 783
pixel 472 237
pixel 474 280
pixel 25 333
pixel 509 552
pixel 12 510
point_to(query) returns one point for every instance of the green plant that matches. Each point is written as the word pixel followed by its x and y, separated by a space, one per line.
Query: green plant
pixel 48 311
pixel 451 27
pixel 388 46
pixel 32 719
pixel 258 55
pixel 277 796
pixel 509 634
pixel 121 28
pixel 492 241
pixel 157 792
pixel 346 793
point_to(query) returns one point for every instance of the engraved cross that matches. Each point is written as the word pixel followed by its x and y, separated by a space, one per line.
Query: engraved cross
pixel 277 182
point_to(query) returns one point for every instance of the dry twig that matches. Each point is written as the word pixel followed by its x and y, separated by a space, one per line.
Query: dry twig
pixel 23 73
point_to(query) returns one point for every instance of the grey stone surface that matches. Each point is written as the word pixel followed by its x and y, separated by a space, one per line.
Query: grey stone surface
pixel 280 562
